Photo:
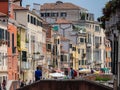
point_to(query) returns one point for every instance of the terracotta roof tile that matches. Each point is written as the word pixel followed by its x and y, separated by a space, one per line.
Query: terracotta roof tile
pixel 17 7
pixel 63 21
pixel 60 6
pixel 2 14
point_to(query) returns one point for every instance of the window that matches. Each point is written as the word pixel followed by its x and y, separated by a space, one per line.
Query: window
pixel 61 57
pixel 70 46
pixel 65 58
pixel 42 14
pixel 32 19
pixel 108 54
pixel 47 14
pixel 82 51
pixel 78 51
pixel 49 46
pixel 24 56
pixel 1 34
pixel 39 23
pixel 28 18
pixel 13 47
pixel 81 40
pixel 89 38
pixel 97 55
pixel 79 62
pixel 97 28
pixel 82 62
pixel 8 33
pixel 73 48
pixel 54 14
pixel 97 40
pixel 58 41
pixel 63 14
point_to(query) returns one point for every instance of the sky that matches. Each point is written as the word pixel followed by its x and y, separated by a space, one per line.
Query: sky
pixel 93 6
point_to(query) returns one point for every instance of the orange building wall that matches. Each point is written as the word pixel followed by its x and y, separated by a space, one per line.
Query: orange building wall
pixel 108 59
pixel 13 60
pixel 4 7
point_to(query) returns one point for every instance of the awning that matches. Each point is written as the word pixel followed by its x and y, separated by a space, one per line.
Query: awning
pixel 105 69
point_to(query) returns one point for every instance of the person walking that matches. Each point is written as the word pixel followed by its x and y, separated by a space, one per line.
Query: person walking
pixel 4 84
pixel 38 74
pixel 71 73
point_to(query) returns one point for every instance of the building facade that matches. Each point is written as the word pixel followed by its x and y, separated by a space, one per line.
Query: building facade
pixel 35 38
pixel 111 22
pixel 108 55
pixel 3 51
pixel 81 22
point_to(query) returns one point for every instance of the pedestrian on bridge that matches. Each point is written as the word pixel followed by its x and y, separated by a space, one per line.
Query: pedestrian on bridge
pixel 38 74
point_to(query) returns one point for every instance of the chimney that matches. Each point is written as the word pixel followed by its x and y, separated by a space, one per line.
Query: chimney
pixel 28 7
pixel 36 6
pixel 34 10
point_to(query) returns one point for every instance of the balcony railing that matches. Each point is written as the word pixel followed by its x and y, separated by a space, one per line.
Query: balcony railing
pixel 97 45
pixel 3 69
pixel 25 65
pixel 89 44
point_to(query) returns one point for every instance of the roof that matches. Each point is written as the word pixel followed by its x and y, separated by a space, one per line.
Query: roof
pixel 63 21
pixel 2 14
pixel 60 6
pixel 17 7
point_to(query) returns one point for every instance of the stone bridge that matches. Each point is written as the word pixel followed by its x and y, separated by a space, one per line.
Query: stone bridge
pixel 65 85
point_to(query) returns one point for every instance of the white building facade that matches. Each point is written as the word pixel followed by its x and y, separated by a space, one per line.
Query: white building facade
pixel 35 38
pixel 3 51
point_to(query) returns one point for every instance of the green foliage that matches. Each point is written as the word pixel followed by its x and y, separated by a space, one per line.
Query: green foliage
pixel 18 40
pixel 102 79
pixel 83 16
pixel 102 21
pixel 110 8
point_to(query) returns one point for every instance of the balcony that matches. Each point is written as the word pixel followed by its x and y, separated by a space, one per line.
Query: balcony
pixel 89 62
pixel 98 62
pixel 25 65
pixel 97 45
pixel 3 42
pixel 89 44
